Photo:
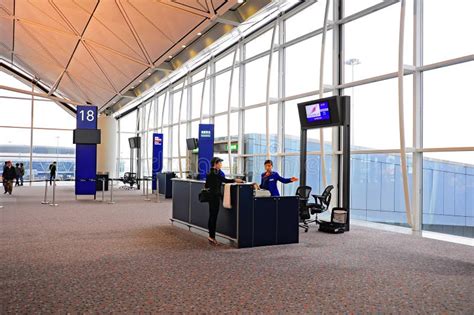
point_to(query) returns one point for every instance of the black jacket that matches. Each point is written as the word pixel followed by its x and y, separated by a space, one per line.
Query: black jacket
pixel 214 180
pixel 9 173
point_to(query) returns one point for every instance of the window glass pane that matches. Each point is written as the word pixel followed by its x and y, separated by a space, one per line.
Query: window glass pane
pixel 448 193
pixel 180 98
pixel 302 65
pixel 20 116
pixel 306 21
pixel 220 126
pixel 255 134
pixel 447 30
pixel 256 80
pixel 377 188
pixel 292 125
pixel 448 113
pixel 254 167
pixel 313 173
pixel 128 123
pixel 196 100
pixel 369 50
pixel 226 61
pixel 351 6
pixel 199 75
pixel 260 44
pixel 222 91
pixel 374 115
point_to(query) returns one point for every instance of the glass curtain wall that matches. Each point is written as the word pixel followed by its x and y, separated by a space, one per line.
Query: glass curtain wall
pixel 35 133
pixel 360 60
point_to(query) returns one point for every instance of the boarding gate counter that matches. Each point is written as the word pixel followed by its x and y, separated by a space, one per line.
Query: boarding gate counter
pixel 252 221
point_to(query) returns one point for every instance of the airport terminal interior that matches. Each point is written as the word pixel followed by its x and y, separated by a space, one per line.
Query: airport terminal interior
pixel 240 156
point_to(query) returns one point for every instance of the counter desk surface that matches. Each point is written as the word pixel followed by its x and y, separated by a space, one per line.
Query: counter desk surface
pixel 252 221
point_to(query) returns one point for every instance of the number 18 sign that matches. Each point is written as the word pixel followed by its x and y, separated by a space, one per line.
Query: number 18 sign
pixel 86 117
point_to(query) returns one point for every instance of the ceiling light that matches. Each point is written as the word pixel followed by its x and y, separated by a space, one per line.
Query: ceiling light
pixel 184 46
pixel 140 81
pixel 132 86
pixel 149 73
pixel 240 1
pixel 170 56
pixel 199 34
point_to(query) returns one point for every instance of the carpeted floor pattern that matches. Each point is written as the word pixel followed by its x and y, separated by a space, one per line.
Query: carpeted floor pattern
pixel 88 257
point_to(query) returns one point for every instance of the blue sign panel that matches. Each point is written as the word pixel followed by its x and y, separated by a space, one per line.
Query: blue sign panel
pixel 206 149
pixel 86 154
pixel 157 156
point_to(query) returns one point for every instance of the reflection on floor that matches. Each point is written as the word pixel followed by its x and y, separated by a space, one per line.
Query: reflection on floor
pixel 88 256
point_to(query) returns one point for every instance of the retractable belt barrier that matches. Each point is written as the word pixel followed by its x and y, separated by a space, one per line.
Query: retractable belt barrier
pixel 45 201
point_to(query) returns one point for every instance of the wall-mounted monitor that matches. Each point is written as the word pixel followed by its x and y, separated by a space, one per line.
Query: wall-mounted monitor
pixel 192 143
pixel 86 136
pixel 134 142
pixel 320 113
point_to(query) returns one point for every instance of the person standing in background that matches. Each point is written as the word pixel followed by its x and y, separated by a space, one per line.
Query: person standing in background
pixel 52 172
pixel 9 174
pixel 3 179
pixel 17 171
pixel 22 173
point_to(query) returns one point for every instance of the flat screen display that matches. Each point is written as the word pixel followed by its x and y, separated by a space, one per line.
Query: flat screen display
pixel 192 143
pixel 134 142
pixel 317 112
pixel 86 136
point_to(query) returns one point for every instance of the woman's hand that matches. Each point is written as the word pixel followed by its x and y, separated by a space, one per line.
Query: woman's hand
pixel 238 180
pixel 294 179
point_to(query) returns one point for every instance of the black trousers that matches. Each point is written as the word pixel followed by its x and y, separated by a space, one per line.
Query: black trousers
pixel 51 178
pixel 213 212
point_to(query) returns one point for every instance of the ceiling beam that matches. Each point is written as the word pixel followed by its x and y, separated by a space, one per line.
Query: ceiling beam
pixel 185 8
pixel 43 95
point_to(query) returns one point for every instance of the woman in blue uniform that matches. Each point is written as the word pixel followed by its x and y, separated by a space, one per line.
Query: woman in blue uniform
pixel 270 179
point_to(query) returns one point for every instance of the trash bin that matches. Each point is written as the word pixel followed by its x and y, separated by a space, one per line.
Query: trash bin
pixel 98 183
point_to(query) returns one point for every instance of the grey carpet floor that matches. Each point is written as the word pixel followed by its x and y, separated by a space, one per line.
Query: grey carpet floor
pixel 88 257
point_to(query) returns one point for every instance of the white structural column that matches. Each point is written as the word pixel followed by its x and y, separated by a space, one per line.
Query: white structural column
pixel 31 129
pixel 229 110
pixel 201 109
pixel 401 120
pixel 267 107
pixel 106 150
pixel 163 111
pixel 321 92
pixel 177 141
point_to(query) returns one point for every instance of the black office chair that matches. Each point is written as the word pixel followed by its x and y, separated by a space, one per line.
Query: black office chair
pixel 306 209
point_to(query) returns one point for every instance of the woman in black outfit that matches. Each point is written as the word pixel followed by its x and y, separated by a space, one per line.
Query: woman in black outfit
pixel 214 180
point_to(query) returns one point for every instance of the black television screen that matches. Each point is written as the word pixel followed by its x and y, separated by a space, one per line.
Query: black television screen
pixel 86 136
pixel 320 113
pixel 192 143
pixel 134 142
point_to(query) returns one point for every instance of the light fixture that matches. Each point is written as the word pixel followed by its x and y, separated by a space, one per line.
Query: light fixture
pixel 132 87
pixel 140 81
pixel 184 46
pixel 170 56
pixel 149 73
pixel 240 1
pixel 199 34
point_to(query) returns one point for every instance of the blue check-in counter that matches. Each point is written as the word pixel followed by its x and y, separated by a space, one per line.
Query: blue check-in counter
pixel 252 221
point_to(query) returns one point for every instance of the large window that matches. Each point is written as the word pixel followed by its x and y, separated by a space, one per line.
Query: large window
pixel 44 139
pixel 437 127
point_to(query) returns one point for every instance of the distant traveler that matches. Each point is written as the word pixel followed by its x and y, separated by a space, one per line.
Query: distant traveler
pixel 9 174
pixel 270 179
pixel 52 172
pixel 214 180
pixel 17 171
pixel 22 173
pixel 3 179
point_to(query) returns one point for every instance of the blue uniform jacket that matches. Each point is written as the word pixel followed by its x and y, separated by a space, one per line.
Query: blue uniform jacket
pixel 270 182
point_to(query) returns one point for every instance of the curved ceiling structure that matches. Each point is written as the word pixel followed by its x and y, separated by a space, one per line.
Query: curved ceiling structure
pixel 96 52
